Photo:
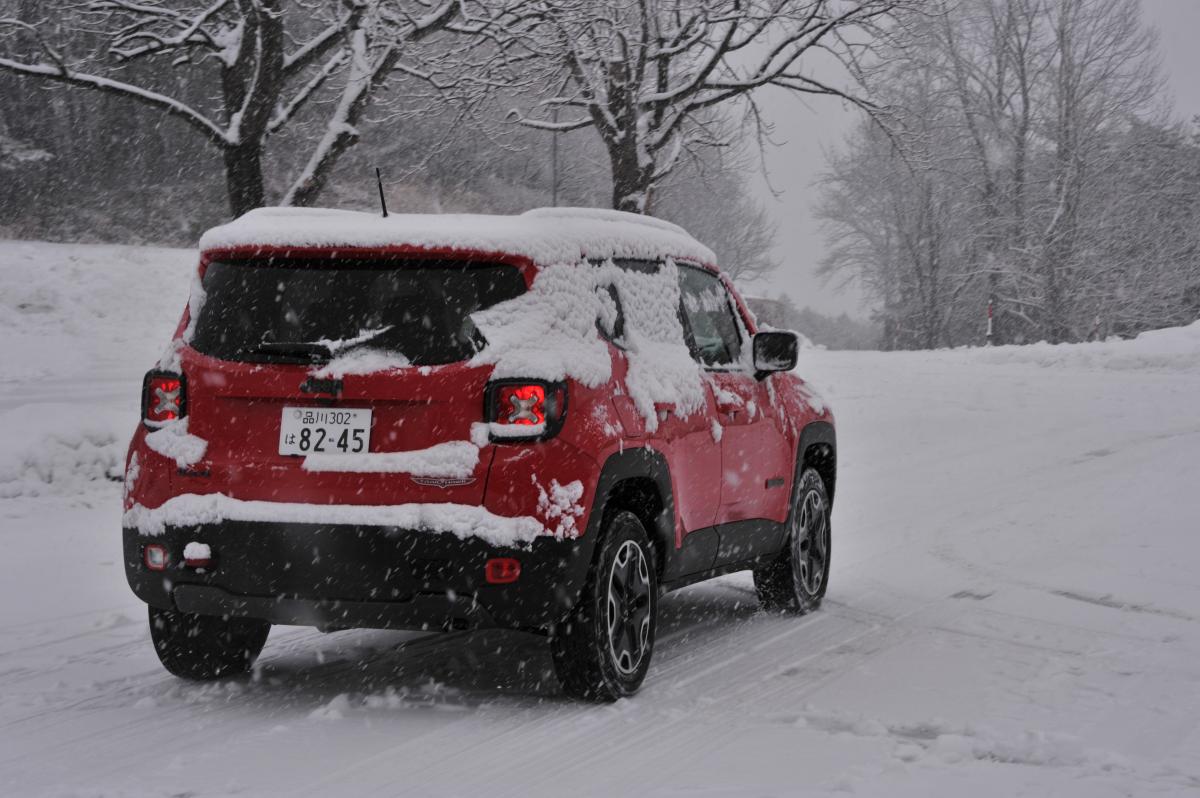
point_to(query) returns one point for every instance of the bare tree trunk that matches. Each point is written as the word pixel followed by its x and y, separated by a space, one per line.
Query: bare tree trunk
pixel 1058 247
pixel 243 177
pixel 631 181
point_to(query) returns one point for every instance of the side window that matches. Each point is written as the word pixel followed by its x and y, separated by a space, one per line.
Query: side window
pixel 709 324
pixel 611 322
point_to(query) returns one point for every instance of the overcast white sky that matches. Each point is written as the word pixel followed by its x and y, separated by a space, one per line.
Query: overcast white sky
pixel 806 129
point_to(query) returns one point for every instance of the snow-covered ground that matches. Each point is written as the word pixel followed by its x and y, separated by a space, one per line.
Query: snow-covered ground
pixel 1014 608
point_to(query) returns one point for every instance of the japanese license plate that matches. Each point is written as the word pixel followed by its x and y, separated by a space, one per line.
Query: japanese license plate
pixel 324 430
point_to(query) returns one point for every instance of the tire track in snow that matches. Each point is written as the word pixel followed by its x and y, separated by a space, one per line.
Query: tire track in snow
pixel 239 706
pixel 552 745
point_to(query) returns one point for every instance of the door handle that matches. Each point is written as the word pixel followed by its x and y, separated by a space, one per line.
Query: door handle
pixel 728 402
pixel 728 408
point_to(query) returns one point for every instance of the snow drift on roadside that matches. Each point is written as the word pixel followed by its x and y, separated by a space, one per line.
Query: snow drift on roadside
pixel 72 308
pixel 1171 349
pixel 60 449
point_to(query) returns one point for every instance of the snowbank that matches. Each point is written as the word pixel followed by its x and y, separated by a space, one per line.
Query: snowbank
pixel 60 449
pixel 72 308
pixel 1171 349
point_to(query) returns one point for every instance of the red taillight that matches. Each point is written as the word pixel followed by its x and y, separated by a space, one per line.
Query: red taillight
pixel 524 409
pixel 164 398
pixel 155 557
pixel 502 570
pixel 522 404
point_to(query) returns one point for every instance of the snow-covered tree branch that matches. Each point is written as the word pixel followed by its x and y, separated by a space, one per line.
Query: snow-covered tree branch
pixel 1015 125
pixel 256 67
pixel 644 73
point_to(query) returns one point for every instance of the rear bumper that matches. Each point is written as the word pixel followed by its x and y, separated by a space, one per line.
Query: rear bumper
pixel 423 611
pixel 343 576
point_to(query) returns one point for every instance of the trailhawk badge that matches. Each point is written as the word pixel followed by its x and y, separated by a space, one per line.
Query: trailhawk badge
pixel 443 482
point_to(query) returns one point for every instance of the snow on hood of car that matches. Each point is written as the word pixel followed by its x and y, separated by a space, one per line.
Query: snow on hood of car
pixel 546 236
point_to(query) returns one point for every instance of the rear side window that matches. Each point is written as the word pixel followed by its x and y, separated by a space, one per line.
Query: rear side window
pixel 306 311
pixel 612 321
pixel 711 328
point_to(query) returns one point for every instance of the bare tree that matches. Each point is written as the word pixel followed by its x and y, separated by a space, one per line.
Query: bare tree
pixel 272 61
pixel 711 197
pixel 645 73
pixel 1012 116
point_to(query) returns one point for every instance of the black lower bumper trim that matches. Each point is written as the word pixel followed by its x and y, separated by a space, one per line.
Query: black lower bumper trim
pixel 348 576
pixel 431 612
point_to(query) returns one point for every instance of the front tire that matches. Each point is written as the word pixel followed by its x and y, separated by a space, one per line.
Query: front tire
pixel 796 580
pixel 204 647
pixel 602 651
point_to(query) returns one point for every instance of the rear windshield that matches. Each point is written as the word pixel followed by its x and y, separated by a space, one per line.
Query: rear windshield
pixel 309 311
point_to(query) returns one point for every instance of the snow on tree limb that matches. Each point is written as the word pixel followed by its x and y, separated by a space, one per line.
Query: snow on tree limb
pixel 267 79
pixel 649 76
pixel 62 73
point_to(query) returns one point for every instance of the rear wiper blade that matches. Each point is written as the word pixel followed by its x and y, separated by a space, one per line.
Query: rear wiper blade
pixel 319 351
pixel 339 345
pixel 298 349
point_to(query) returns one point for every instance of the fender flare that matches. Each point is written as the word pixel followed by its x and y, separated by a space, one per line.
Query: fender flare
pixel 568 563
pixel 818 432
pixel 640 462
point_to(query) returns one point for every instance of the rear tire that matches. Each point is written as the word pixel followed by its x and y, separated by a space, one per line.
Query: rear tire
pixel 796 580
pixel 204 647
pixel 602 651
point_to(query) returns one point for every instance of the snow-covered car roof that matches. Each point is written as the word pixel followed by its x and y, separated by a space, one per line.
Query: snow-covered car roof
pixel 544 235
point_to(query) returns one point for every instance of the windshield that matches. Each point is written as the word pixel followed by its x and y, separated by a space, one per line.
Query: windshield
pixel 308 311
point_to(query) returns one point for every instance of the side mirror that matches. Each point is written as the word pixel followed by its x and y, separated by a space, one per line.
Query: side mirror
pixel 775 350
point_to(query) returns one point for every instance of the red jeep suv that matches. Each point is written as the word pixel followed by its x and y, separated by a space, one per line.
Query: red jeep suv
pixel 432 422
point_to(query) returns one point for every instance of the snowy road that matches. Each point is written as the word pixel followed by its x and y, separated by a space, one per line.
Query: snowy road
pixel 1014 607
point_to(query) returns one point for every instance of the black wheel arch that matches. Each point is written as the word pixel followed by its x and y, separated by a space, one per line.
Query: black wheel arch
pixel 637 480
pixel 817 449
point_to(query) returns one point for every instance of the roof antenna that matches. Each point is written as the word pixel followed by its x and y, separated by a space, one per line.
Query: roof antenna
pixel 382 201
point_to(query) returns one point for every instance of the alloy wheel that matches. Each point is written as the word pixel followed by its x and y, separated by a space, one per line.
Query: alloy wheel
pixel 811 541
pixel 628 608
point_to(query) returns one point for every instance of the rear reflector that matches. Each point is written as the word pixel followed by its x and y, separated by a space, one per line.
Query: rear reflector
pixel 502 570
pixel 155 557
